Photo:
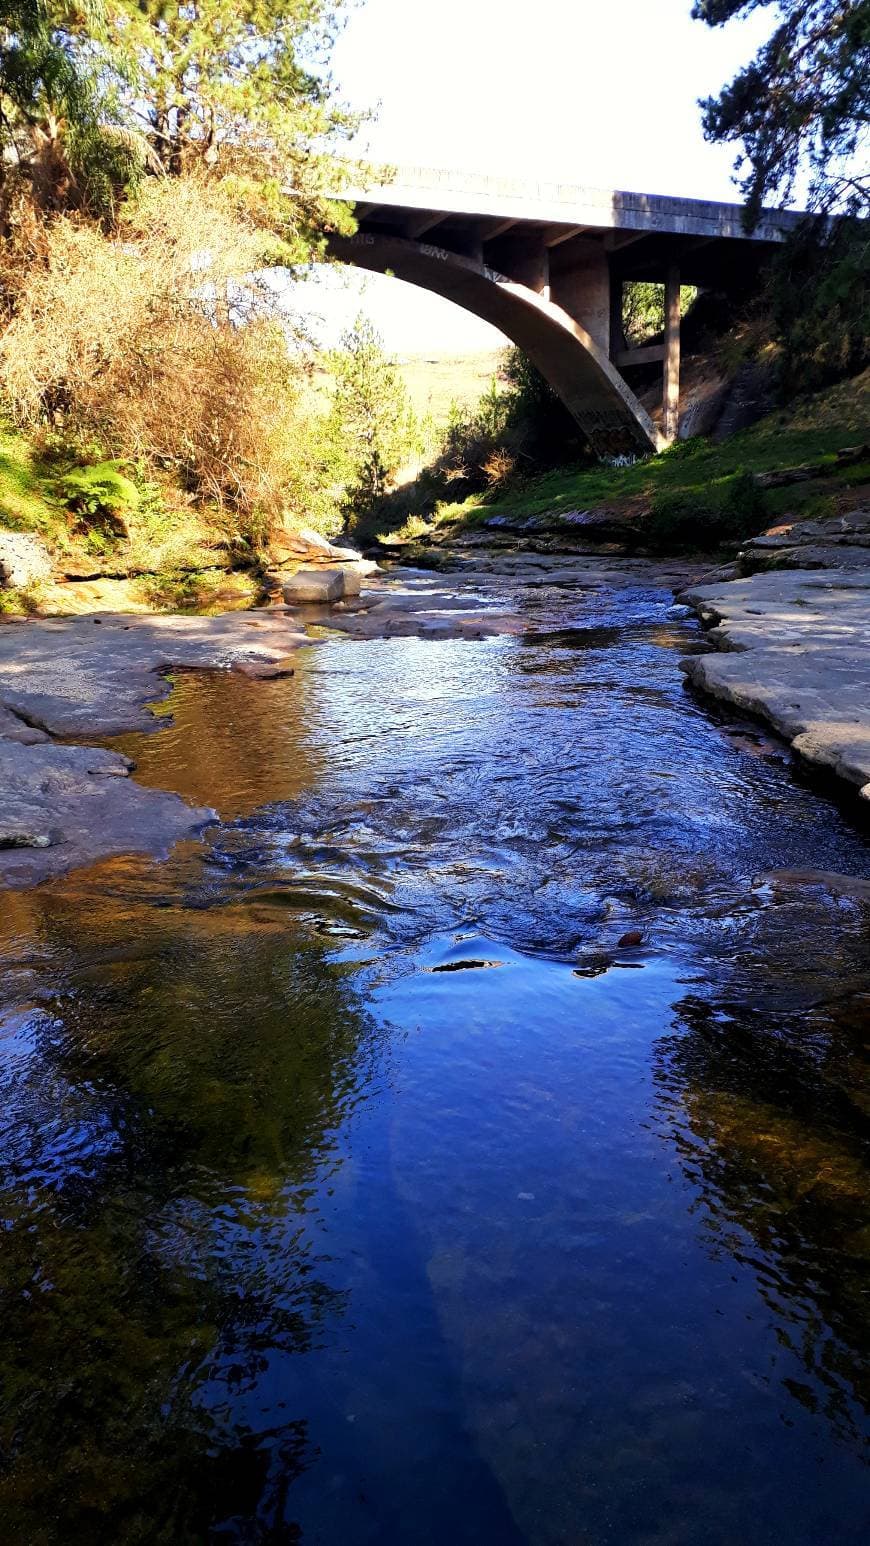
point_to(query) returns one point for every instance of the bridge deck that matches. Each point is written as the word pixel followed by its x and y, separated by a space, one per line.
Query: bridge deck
pixel 546 263
pixel 596 209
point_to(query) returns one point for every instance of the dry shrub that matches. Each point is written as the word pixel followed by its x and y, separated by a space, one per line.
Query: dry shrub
pixel 456 472
pixel 498 467
pixel 133 342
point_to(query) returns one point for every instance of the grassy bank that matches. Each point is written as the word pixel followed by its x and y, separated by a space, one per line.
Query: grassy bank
pixel 26 499
pixel 105 526
pixel 697 484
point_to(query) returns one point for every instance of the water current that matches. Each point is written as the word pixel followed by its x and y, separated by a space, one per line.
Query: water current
pixel 359 1186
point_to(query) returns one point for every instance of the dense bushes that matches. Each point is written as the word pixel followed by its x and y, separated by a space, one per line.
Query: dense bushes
pixel 129 345
pixel 150 171
pixel 818 295
pixel 518 427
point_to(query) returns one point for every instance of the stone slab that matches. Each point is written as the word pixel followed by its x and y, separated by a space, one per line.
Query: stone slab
pixel 65 806
pixel 795 650
pixel 92 676
pixel 313 585
pixel 62 806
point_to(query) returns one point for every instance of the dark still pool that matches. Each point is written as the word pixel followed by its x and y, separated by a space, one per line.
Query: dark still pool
pixel 467 1140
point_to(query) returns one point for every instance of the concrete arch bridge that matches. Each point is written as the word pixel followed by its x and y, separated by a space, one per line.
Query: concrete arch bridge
pixel 546 264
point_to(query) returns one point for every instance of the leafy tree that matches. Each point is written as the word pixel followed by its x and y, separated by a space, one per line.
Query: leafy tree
pixel 62 132
pixel 643 309
pixel 372 422
pixel 222 118
pixel 819 298
pixel 239 88
pixel 803 106
pixel 803 103
pixel 93 91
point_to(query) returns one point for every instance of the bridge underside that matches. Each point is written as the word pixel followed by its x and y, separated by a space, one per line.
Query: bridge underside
pixel 559 345
pixel 549 273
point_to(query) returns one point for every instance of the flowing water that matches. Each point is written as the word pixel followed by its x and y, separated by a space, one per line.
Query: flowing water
pixel 359 1186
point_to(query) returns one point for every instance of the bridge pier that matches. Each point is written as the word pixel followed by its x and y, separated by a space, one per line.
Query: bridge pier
pixel 546 265
pixel 526 260
pixel 580 284
pixel 591 291
pixel 671 373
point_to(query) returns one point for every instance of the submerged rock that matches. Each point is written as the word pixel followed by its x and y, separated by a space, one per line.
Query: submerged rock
pixel 629 939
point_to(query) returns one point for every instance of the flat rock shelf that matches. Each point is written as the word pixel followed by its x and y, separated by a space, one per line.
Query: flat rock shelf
pixel 795 650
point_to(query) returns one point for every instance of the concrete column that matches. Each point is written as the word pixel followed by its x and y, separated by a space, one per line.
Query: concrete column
pixel 617 337
pixel 580 284
pixel 545 273
pixel 529 264
pixel 671 384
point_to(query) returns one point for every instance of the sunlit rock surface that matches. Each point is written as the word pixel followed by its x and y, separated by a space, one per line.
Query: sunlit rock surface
pixel 795 648
pixel 94 675
pixel 64 806
pixel 24 559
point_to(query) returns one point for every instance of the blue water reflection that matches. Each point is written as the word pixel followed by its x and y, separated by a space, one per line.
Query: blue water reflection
pixel 360 1186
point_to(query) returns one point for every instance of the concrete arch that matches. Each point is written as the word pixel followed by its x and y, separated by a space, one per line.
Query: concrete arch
pixel 563 351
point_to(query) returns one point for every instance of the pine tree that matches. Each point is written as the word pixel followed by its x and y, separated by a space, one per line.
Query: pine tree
pixel 801 105
pixel 373 424
pixel 241 89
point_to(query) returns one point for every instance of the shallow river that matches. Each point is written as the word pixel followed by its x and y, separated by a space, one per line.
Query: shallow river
pixel 359 1187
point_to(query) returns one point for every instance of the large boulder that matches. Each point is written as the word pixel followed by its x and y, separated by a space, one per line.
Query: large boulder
pixel 24 560
pixel 313 586
pixel 351 579
pixel 287 546
pixel 344 555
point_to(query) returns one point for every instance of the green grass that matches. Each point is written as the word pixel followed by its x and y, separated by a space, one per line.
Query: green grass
pixel 70 504
pixel 26 502
pixel 810 431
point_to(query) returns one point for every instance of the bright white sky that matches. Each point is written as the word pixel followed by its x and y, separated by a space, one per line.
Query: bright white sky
pixel 601 92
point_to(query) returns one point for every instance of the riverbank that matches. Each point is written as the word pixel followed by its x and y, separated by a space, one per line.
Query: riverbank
pixel 806 457
pixel 793 640
pixel 87 679
pixel 793 648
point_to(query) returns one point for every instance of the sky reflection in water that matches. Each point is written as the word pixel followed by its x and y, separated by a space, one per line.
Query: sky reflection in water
pixel 309 1239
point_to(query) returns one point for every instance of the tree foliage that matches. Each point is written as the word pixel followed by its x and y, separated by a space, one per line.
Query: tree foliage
pixel 127 344
pixel 643 309
pixel 63 134
pixel 373 427
pixel 238 88
pixel 801 108
pixel 155 156
pixel 95 92
pixel 801 105
pixel 819 297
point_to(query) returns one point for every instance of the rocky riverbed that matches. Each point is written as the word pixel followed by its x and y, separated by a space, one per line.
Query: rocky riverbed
pixel 88 678
pixel 464 1137
pixel 793 647
pixel 792 626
